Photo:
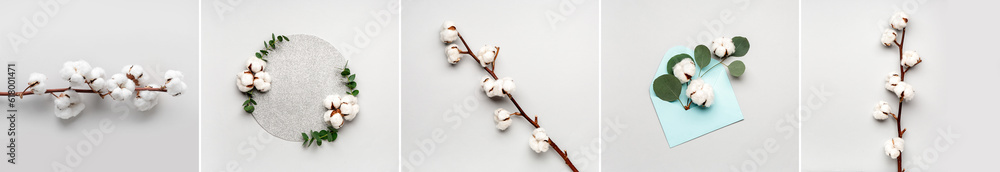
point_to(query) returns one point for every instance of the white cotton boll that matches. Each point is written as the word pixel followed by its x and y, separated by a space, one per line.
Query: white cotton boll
pixel 137 72
pixel 454 55
pixel 701 93
pixel 904 91
pixel 508 85
pixel 99 85
pixel 723 47
pixel 891 81
pixel 244 81
pixel 487 83
pixel 888 37
pixel 881 111
pixel 121 94
pixel 146 99
pixel 539 140
pixel 262 80
pixel 349 99
pixel 331 102
pixel 326 116
pixel 497 89
pixel 910 59
pixel 354 111
pixel 487 54
pixel 448 32
pixel 337 121
pixel 893 147
pixel 502 118
pixel 684 70
pixel 255 64
pixel 899 20
pixel 37 83
pixel 97 72
pixel 173 75
pixel 62 102
pixel 74 108
pixel 176 87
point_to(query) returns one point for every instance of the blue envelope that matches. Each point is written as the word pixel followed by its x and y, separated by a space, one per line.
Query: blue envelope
pixel 679 125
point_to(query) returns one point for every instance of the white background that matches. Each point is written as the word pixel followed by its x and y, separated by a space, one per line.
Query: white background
pixel 232 139
pixel 158 35
pixel 635 37
pixel 947 119
pixel 553 62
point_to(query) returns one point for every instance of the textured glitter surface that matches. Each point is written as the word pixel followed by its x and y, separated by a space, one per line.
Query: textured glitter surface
pixel 304 71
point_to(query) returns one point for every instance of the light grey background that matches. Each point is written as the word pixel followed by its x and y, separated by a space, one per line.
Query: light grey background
pixel 232 140
pixel 553 62
pixel 948 123
pixel 158 35
pixel 635 37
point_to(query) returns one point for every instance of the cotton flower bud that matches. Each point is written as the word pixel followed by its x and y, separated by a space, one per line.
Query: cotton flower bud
pixel 121 87
pixel 487 54
pixel 75 71
pixel 146 99
pixel 331 102
pixel 502 118
pixel 684 70
pixel 539 140
pixel 255 64
pixel 136 72
pixel 36 83
pixel 337 120
pixel 490 86
pixel 262 81
pixel 508 85
pixel 448 32
pixel 891 81
pixel 175 84
pixel 454 55
pixel 497 88
pixel 904 91
pixel 894 147
pixel 700 92
pixel 899 20
pixel 723 47
pixel 910 59
pixel 882 110
pixel 68 104
pixel 888 37
pixel 244 81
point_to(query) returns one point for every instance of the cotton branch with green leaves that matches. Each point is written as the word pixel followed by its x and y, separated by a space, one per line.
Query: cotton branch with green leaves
pixel 683 69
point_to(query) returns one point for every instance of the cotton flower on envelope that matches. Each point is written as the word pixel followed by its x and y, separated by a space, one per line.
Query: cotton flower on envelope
pixel 680 125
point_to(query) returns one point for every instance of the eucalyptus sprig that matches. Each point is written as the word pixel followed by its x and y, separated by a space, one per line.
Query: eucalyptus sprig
pixel 350 80
pixel 248 79
pixel 329 135
pixel 668 87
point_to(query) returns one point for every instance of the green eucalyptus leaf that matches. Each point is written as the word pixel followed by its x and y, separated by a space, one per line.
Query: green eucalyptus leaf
pixel 272 37
pixel 252 101
pixel 281 39
pixel 333 136
pixel 249 109
pixel 286 38
pixel 742 46
pixel 258 55
pixel 347 71
pixel 674 60
pixel 354 93
pixel 305 137
pixel 702 56
pixel 667 87
pixel 352 84
pixel 245 103
pixel 351 78
pixel 736 68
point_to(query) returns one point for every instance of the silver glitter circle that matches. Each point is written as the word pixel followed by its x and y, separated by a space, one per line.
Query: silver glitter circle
pixel 304 71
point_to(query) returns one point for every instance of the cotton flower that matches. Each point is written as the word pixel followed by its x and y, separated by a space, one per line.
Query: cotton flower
pixel 331 102
pixel 68 104
pixel 448 32
pixel 891 81
pixel 898 20
pixel 96 80
pixel 349 107
pixel 723 47
pixel 882 110
pixel 244 81
pixel 262 81
pixel 492 87
pixel 135 71
pixel 255 64
pixel 487 54
pixel 502 118
pixel 175 84
pixel 454 55
pixel 74 72
pixel 910 59
pixel 336 120
pixel 700 92
pixel 893 147
pixel 508 85
pixel 904 91
pixel 539 140
pixel 146 99
pixel 684 70
pixel 497 88
pixel 121 87
pixel 36 83
pixel 888 37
